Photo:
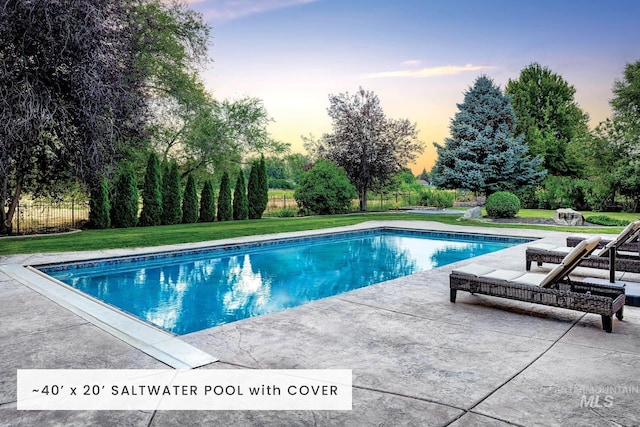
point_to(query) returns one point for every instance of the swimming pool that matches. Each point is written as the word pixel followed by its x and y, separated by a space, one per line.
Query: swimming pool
pixel 187 291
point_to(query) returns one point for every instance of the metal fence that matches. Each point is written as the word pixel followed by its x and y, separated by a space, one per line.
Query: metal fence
pixel 33 216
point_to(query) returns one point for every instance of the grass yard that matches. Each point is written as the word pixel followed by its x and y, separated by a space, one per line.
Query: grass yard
pixel 188 233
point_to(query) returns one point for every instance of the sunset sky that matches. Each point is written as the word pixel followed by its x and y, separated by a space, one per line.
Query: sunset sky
pixel 418 56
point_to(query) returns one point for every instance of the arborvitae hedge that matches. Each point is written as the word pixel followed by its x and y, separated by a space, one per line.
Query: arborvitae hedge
pixel 258 189
pixel 99 207
pixel 190 202
pixel 207 203
pixel 124 206
pixel 224 199
pixel 240 202
pixel 171 209
pixel 151 193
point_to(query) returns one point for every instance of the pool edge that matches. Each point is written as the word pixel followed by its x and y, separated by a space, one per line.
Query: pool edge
pixel 157 343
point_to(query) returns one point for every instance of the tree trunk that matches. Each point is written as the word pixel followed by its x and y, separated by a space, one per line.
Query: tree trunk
pixel 363 199
pixel 7 217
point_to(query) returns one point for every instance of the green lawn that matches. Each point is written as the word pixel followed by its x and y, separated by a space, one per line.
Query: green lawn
pixel 188 233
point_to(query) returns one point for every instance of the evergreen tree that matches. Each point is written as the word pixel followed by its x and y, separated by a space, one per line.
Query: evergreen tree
pixel 258 189
pixel 207 203
pixel 190 202
pixel 99 207
pixel 151 193
pixel 224 199
pixel 171 210
pixel 482 154
pixel 240 201
pixel 124 207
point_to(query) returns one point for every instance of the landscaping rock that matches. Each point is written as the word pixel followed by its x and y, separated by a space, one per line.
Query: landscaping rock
pixel 473 213
pixel 568 217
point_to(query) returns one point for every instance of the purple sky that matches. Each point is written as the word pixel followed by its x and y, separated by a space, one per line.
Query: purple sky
pixel 418 56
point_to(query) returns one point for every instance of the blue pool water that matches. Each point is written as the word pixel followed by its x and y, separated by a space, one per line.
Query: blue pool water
pixel 183 292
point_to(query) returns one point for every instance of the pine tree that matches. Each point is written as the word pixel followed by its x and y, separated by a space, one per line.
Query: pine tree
pixel 240 201
pixel 190 202
pixel 151 193
pixel 224 199
pixel 171 210
pixel 207 203
pixel 482 155
pixel 124 207
pixel 258 189
pixel 99 207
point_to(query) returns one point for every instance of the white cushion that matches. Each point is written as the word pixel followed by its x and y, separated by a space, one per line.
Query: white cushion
pixel 531 279
pixel 543 246
pixel 474 270
pixel 507 275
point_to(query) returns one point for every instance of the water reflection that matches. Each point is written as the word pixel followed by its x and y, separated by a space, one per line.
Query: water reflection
pixel 186 295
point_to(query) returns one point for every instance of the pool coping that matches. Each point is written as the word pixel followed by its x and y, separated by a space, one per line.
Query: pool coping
pixel 159 344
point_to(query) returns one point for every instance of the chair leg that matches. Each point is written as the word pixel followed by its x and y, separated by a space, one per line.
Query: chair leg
pixel 528 265
pixel 452 294
pixel 619 313
pixel 607 323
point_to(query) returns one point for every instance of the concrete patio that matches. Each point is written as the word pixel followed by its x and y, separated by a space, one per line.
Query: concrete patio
pixel 417 359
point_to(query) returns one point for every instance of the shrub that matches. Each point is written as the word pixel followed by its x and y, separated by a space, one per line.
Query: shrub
pixel 325 189
pixel 190 202
pixel 438 198
pixel 124 206
pixel 151 193
pixel 565 192
pixel 281 184
pixel 240 202
pixel 224 199
pixel 286 213
pixel 207 203
pixel 606 220
pixel 99 207
pixel 502 205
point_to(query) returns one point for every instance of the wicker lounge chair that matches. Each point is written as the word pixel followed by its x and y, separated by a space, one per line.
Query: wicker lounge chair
pixel 615 261
pixel 631 245
pixel 552 289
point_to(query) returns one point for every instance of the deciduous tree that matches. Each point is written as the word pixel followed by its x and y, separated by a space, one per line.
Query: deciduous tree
pixel 369 146
pixel 549 118
pixel 69 91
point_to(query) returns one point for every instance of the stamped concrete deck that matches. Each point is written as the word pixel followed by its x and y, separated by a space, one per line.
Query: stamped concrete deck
pixel 417 359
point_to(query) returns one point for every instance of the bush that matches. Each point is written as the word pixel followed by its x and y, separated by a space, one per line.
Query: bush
pixel 281 184
pixel 606 220
pixel 438 198
pixel 190 202
pixel 325 189
pixel 565 192
pixel 502 205
pixel 207 203
pixel 286 213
